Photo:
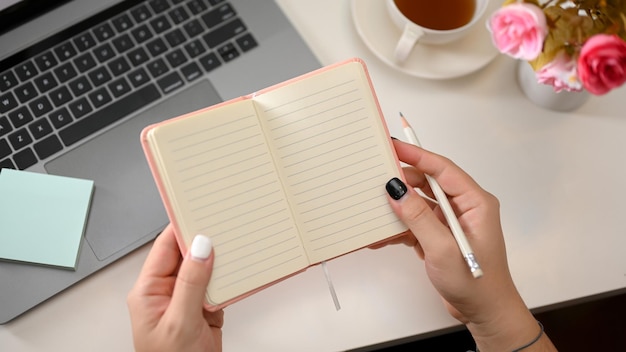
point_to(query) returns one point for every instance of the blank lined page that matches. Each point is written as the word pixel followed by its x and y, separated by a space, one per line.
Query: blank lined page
pixel 335 158
pixel 224 181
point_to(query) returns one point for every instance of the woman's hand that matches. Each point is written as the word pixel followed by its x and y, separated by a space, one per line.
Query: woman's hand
pixel 490 306
pixel 166 303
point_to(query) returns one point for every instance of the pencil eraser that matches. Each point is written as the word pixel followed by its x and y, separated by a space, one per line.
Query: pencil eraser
pixel 477 273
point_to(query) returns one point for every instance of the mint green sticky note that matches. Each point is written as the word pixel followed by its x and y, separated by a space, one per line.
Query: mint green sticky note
pixel 42 217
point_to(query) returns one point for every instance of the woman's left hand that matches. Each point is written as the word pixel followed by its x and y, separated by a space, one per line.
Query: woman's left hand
pixel 166 303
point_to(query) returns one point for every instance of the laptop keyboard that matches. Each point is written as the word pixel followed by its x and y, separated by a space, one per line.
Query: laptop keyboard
pixel 102 69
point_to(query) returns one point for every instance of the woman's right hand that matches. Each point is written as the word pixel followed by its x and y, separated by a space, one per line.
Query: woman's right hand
pixel 490 306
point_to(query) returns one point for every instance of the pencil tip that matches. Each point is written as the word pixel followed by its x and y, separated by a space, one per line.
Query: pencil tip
pixel 404 122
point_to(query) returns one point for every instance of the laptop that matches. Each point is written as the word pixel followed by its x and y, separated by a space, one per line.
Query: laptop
pixel 80 79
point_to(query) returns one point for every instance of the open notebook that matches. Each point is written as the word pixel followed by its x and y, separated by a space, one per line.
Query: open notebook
pixel 281 179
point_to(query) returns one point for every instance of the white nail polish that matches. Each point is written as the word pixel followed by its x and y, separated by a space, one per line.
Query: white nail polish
pixel 201 247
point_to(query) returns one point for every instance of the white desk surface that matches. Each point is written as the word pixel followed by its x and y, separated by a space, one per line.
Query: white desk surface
pixel 559 176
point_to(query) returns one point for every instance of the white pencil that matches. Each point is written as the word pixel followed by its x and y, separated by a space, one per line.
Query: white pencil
pixel 446 208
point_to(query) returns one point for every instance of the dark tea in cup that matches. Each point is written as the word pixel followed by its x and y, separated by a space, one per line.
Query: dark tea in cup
pixel 438 14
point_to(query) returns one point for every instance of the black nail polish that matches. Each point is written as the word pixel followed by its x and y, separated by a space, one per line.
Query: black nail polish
pixel 396 188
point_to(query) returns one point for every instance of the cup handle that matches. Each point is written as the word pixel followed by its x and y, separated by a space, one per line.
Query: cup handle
pixel 407 41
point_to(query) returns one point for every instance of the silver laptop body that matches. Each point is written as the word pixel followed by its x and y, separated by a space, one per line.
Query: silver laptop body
pixel 262 48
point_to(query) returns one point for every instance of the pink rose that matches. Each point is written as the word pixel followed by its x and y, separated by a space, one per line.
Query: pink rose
pixel 518 30
pixel 602 63
pixel 560 73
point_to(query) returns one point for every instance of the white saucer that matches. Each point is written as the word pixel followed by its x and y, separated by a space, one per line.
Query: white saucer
pixel 455 59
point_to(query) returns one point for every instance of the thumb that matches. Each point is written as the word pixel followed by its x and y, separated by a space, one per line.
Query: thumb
pixel 193 277
pixel 411 208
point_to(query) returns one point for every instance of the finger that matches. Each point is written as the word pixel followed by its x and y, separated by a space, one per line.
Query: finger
pixel 193 277
pixel 415 178
pixel 164 257
pixel 431 233
pixel 452 179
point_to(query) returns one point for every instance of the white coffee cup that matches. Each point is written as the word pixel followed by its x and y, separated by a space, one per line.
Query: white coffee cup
pixel 412 33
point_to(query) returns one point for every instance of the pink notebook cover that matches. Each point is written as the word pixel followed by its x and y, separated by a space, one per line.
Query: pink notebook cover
pixel 167 202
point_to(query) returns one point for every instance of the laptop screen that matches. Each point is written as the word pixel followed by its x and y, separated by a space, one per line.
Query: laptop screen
pixel 16 12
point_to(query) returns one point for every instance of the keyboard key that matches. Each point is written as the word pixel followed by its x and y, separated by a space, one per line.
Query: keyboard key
pixel 80 108
pixel 60 96
pixel 224 33
pixel 104 52
pixel 103 32
pixel 80 86
pixel 7 81
pixel 138 77
pixel 65 72
pixel 179 15
pixel 175 37
pixel 99 97
pixel 5 149
pixel 140 13
pixel 20 138
pixel 228 52
pixel 20 117
pixel 5 126
pixel 210 62
pixel 40 128
pixel 191 71
pixel 157 67
pixel 119 66
pixel 6 164
pixel 40 106
pixel 60 118
pixel 24 159
pixel 65 51
pixel 7 102
pixel 48 146
pixel 46 61
pixel 193 28
pixel 123 43
pixel 25 71
pixel 194 48
pixel 122 23
pixel 176 58
pixel 100 76
pixel 119 87
pixel 138 56
pixel 218 16
pixel 246 42
pixel 84 41
pixel 160 24
pixel 170 82
pixel 25 92
pixel 196 6
pixel 45 82
pixel 159 6
pixel 85 62
pixel 156 47
pixel 141 33
pixel 215 2
pixel 109 114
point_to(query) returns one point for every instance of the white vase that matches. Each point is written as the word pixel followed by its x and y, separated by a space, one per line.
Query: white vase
pixel 544 94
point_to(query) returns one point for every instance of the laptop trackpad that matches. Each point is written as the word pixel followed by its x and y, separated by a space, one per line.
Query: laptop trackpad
pixel 126 206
